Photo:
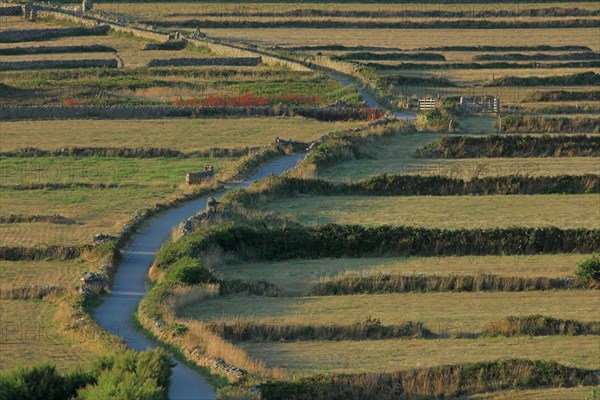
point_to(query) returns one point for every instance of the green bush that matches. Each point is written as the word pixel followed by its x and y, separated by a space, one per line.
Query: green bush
pixel 41 382
pixel 189 271
pixel 588 271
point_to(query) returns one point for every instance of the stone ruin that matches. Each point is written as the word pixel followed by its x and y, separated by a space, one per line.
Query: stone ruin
pixel 195 178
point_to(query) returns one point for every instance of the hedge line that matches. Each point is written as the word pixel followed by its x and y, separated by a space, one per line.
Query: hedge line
pixel 441 381
pixel 348 284
pixel 539 325
pixel 414 185
pixel 583 79
pixel 512 146
pixel 540 123
pixel 371 329
pixel 537 57
pixel 260 242
pixel 564 95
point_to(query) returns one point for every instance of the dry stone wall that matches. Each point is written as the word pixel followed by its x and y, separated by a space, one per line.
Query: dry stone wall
pixel 57 64
pixel 197 62
pixel 26 35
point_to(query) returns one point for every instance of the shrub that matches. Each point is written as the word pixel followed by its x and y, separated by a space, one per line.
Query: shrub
pixel 189 272
pixel 588 271
pixel 41 382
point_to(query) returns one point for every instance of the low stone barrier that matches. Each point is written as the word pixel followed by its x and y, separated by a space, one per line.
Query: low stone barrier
pixel 26 35
pixel 198 62
pixel 11 11
pixel 16 113
pixel 57 64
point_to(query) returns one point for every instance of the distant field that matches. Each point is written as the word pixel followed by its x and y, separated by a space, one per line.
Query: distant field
pixel 396 155
pixel 446 211
pixel 410 38
pixel 30 337
pixel 308 358
pixel 295 277
pixel 581 392
pixel 140 183
pixel 182 134
pixel 57 273
pixel 438 311
pixel 192 9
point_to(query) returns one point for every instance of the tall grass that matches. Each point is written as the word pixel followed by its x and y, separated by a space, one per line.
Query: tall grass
pixel 370 329
pixel 353 283
pixel 442 381
pixel 539 325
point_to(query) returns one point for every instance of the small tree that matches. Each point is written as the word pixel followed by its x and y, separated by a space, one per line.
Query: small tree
pixel 588 270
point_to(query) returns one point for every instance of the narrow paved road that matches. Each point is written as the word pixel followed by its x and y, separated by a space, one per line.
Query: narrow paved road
pixel 408 117
pixel 114 315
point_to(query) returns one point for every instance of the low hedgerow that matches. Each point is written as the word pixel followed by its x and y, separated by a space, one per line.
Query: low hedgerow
pixel 512 146
pixel 353 283
pixel 370 329
pixel 539 325
pixel 287 241
pixel 442 381
pixel 277 187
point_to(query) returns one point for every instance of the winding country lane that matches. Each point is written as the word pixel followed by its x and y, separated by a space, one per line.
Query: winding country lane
pixel 114 315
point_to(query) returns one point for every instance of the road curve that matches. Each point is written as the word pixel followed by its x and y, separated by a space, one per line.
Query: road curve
pixel 408 117
pixel 114 315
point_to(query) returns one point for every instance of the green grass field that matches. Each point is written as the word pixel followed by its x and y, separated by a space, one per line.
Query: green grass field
pixel 180 134
pixel 308 358
pixel 295 277
pixel 29 336
pixel 445 211
pixel 31 273
pixel 396 155
pixel 439 311
pixel 139 183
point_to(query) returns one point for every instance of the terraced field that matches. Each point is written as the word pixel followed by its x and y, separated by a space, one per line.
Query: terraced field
pixel 334 281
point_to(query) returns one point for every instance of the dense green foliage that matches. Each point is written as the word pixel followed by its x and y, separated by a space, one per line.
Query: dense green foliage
pixel 189 272
pixel 588 270
pixel 512 146
pixel 127 375
pixel 42 382
pixel 259 242
pixel 442 381
pixel 275 187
